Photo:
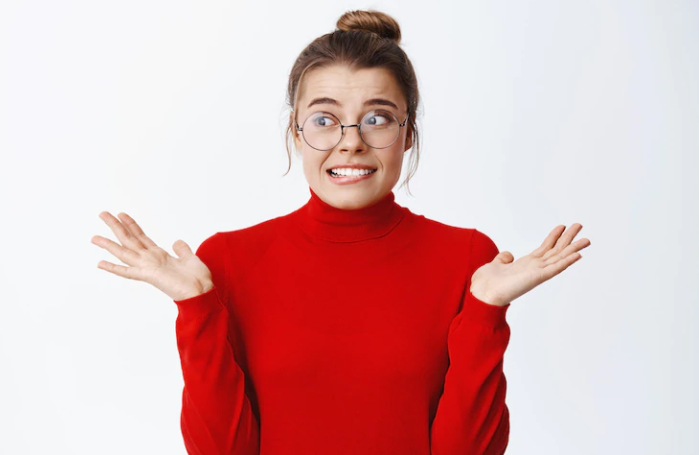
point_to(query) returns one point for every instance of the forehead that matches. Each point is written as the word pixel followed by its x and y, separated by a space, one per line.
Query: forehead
pixel 349 87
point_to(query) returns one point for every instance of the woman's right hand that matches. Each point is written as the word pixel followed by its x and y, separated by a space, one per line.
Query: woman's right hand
pixel 180 278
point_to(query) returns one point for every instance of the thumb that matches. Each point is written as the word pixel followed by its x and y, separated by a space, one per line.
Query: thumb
pixel 504 257
pixel 182 249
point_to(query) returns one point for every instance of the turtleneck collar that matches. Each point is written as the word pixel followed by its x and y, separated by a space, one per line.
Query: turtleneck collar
pixel 323 221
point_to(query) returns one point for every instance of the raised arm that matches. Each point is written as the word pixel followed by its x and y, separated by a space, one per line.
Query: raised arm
pixel 472 417
pixel 217 417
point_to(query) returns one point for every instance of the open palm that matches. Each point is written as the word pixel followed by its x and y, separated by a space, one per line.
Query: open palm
pixel 179 277
pixel 502 280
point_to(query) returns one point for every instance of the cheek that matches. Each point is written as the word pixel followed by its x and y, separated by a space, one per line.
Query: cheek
pixel 394 160
pixel 312 162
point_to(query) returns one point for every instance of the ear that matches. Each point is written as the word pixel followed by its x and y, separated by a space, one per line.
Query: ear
pixel 296 135
pixel 408 140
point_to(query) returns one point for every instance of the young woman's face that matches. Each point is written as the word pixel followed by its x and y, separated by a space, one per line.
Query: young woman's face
pixel 349 96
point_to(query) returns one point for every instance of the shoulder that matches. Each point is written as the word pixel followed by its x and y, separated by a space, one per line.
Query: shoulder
pixel 466 236
pixel 470 241
pixel 245 245
pixel 257 234
pixel 440 232
pixel 230 253
pixel 483 249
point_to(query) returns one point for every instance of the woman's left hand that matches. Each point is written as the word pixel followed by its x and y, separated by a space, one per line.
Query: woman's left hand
pixel 501 281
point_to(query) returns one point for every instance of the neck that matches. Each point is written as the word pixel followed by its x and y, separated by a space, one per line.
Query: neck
pixel 323 221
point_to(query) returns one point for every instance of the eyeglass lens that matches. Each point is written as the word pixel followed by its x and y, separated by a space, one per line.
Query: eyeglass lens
pixel 379 129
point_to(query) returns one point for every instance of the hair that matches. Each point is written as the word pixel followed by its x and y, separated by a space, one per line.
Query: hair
pixel 362 39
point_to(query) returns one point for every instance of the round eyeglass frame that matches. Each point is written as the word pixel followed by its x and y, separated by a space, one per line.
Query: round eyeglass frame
pixel 358 126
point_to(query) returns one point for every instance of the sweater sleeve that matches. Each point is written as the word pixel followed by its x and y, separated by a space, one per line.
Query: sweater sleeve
pixel 216 417
pixel 472 417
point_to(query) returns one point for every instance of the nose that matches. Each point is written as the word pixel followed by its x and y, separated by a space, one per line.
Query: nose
pixel 351 140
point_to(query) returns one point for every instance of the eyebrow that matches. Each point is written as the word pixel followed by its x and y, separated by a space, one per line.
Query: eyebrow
pixel 371 102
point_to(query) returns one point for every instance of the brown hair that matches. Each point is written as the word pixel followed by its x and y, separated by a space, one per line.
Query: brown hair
pixel 363 39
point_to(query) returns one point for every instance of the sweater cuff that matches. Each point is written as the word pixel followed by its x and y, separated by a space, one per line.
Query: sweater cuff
pixel 483 313
pixel 200 305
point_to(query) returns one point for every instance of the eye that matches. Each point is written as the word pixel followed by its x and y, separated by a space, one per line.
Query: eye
pixel 379 118
pixel 323 121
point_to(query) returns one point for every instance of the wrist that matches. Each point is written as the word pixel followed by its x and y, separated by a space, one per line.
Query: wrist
pixel 206 287
pixel 487 297
pixel 197 289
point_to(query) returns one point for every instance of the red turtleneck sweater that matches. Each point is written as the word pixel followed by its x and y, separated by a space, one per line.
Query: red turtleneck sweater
pixel 338 332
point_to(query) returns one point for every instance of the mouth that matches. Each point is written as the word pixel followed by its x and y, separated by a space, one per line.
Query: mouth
pixel 354 177
pixel 354 173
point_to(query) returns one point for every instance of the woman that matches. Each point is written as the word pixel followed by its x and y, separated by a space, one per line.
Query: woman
pixel 351 325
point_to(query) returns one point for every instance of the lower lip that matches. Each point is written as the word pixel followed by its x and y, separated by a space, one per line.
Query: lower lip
pixel 350 178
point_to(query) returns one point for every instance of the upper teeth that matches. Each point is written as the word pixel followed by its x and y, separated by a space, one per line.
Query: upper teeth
pixel 347 171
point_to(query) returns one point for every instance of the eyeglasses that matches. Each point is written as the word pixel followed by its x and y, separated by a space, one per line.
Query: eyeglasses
pixel 378 129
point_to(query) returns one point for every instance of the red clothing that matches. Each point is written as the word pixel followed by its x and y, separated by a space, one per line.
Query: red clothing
pixel 338 332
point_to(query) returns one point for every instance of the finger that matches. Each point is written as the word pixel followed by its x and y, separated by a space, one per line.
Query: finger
pixel 554 269
pixel 119 270
pixel 135 229
pixel 549 241
pixel 181 249
pixel 505 257
pixel 564 240
pixel 570 249
pixel 569 235
pixel 121 232
pixel 125 255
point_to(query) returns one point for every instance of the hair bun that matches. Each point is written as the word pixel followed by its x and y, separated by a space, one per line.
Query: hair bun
pixel 370 21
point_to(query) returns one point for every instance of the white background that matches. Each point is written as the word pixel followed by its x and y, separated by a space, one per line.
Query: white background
pixel 533 114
